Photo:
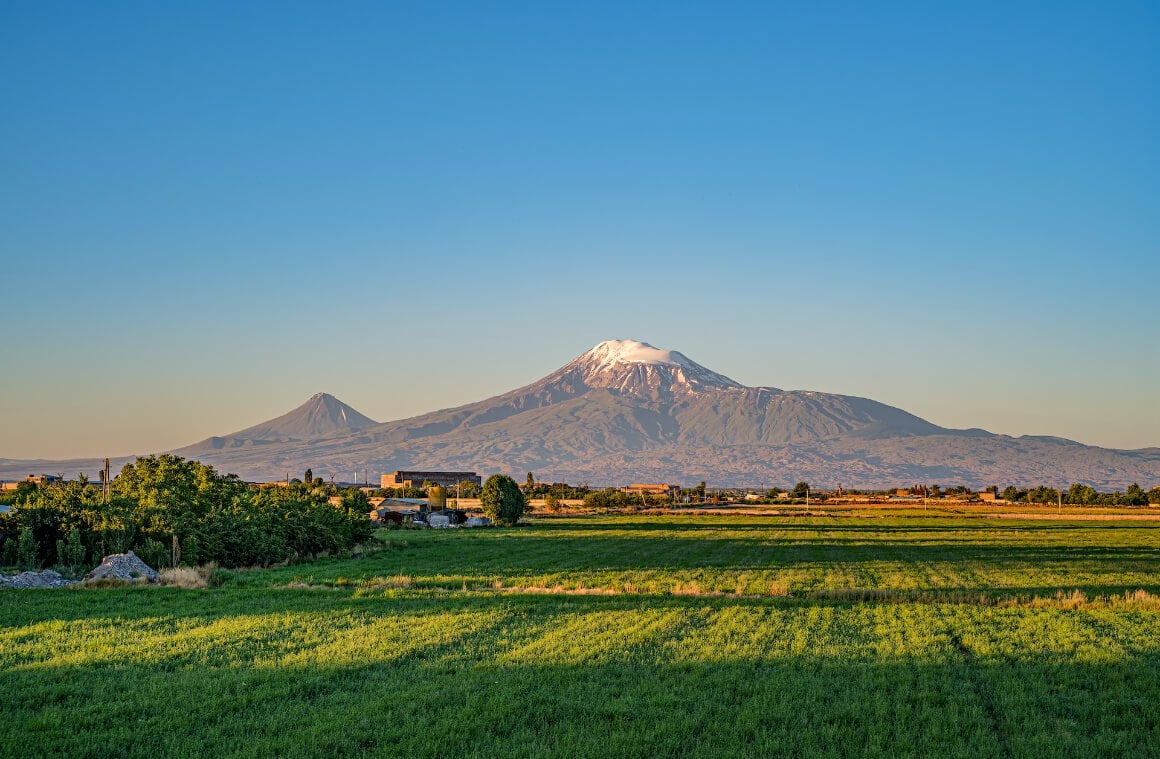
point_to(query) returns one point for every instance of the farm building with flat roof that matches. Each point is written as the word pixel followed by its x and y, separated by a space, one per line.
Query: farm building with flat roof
pixel 415 478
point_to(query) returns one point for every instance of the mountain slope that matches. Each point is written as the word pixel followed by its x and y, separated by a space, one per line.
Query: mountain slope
pixel 627 411
pixel 641 397
pixel 321 416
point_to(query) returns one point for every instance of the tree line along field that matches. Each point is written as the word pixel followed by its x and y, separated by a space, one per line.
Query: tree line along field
pixel 617 636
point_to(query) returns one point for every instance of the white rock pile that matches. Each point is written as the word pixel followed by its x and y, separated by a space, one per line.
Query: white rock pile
pixel 125 567
pixel 29 580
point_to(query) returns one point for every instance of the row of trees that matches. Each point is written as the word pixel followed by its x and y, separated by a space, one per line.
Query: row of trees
pixel 1081 495
pixel 1078 494
pixel 172 511
pixel 558 490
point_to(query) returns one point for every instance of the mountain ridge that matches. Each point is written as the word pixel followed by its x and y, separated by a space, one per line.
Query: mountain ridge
pixel 626 410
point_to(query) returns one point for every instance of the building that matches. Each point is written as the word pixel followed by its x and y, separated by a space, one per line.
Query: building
pixel 398 510
pixel 35 479
pixel 652 489
pixel 408 479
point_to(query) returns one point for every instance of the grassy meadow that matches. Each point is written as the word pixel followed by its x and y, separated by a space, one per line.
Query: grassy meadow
pixel 617 636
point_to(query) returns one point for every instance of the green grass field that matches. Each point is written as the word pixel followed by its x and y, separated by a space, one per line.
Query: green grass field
pixel 617 636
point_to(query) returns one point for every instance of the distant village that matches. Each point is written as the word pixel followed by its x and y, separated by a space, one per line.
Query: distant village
pixel 407 497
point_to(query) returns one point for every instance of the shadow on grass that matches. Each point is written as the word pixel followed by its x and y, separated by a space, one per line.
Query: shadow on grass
pixel 474 695
pixel 146 604
pixel 744 550
pixel 866 525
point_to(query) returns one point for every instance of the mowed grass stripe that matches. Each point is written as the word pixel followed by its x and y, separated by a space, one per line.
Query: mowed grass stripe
pixel 765 556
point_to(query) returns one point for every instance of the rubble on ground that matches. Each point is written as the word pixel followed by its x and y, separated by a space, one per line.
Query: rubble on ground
pixel 126 567
pixel 28 580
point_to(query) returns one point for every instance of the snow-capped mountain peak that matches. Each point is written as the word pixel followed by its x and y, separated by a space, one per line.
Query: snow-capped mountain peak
pixel 635 366
pixel 612 352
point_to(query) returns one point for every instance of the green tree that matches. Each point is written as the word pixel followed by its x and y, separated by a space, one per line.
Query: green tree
pixel 355 502
pixel 467 489
pixel 154 553
pixel 501 500
pixel 800 490
pixel 1154 496
pixel 530 485
pixel 1081 495
pixel 1043 494
pixel 1135 495
pixel 27 550
pixel 173 495
pixel 308 478
pixel 71 551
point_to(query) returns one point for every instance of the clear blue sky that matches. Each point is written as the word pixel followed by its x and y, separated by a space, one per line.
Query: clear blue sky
pixel 209 211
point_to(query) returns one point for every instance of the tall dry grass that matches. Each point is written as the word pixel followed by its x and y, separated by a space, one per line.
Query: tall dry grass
pixel 190 578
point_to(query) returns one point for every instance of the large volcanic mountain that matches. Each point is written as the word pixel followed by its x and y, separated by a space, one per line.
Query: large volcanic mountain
pixel 626 411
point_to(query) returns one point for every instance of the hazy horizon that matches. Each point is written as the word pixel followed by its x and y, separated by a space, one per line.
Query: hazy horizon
pixel 211 213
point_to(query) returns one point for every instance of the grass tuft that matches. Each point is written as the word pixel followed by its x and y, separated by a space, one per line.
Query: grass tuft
pixel 190 578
